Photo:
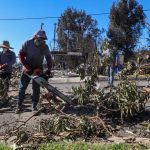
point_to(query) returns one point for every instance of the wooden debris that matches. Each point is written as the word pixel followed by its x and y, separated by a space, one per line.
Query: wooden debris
pixel 146 89
pixel 2 110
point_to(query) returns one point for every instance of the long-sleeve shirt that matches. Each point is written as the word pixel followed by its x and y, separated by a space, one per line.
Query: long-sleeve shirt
pixel 8 58
pixel 32 56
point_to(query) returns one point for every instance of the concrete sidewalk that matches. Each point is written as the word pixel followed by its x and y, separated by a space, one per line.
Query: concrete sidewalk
pixel 78 80
pixel 72 79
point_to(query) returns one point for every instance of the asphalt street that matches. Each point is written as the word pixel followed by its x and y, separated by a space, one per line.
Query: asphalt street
pixel 66 87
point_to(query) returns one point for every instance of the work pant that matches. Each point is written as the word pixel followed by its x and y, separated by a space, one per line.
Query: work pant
pixel 6 79
pixel 24 82
pixel 110 75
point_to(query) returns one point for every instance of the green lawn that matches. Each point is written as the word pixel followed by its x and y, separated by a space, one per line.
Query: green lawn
pixel 88 146
pixel 83 146
pixel 4 147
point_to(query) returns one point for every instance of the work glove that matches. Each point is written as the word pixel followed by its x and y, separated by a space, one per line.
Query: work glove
pixel 37 72
pixel 49 73
pixel 46 74
pixel 3 66
pixel 27 69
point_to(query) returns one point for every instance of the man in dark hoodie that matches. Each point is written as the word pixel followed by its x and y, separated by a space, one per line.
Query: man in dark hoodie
pixel 7 59
pixel 31 56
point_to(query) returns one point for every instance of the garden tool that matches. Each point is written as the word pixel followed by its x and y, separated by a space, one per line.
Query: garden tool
pixel 42 81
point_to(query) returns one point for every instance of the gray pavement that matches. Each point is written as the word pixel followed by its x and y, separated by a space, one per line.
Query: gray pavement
pixel 65 85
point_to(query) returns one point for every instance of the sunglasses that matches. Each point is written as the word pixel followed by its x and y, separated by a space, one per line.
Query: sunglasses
pixel 40 39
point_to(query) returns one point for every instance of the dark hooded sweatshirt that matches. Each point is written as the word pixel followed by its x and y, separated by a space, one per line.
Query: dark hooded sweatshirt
pixel 32 56
pixel 8 58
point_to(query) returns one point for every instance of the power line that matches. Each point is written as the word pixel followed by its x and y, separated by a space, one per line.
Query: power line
pixel 146 10
pixel 100 14
pixel 39 18
pixel 32 18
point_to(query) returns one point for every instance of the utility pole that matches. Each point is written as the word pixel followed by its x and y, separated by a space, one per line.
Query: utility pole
pixel 68 34
pixel 54 36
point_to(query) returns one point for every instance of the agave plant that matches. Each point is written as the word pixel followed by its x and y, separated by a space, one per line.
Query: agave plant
pixel 86 127
pixel 130 100
pixel 58 124
pixel 83 93
pixel 125 99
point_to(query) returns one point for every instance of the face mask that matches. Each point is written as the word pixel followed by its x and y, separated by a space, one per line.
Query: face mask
pixel 5 49
pixel 39 42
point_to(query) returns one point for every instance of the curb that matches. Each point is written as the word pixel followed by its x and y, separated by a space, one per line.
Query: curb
pixel 78 80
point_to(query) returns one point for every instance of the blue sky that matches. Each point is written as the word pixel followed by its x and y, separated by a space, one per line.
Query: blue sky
pixel 17 31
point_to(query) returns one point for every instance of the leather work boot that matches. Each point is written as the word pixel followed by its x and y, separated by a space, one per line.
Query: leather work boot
pixel 18 110
pixel 34 109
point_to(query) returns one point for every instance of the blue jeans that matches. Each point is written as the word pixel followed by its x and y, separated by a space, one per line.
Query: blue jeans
pixel 24 82
pixel 110 75
pixel 6 78
pixel 120 67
